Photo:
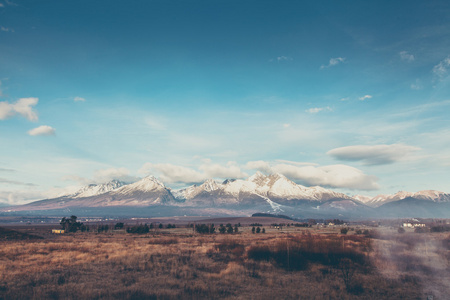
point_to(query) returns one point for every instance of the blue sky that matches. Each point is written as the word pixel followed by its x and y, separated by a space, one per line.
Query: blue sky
pixel 349 95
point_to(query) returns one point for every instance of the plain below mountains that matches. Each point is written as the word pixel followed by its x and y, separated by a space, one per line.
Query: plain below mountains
pixel 259 193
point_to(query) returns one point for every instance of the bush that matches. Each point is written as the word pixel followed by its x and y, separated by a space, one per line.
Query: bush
pixel 401 230
pixel 140 229
pixel 421 230
pixel 344 230
pixel 70 224
pixel 118 225
pixel 205 229
pixel 297 254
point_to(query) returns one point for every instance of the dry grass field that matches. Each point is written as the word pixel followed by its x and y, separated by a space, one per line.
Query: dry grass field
pixel 293 263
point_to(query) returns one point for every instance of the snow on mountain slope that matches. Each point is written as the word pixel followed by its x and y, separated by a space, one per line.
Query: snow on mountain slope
pixel 97 189
pixel 146 184
pixel 430 195
pixel 275 186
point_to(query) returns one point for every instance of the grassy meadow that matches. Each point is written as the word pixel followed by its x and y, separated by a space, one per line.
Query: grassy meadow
pixel 177 263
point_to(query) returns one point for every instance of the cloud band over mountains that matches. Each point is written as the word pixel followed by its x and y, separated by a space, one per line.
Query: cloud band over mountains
pixel 373 155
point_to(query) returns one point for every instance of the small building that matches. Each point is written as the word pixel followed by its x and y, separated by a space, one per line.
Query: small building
pixel 58 231
pixel 413 225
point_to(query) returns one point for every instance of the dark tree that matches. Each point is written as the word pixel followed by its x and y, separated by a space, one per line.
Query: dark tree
pixel 118 225
pixel 70 224
pixel 229 228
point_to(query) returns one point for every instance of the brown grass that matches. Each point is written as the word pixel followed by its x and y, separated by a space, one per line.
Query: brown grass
pixel 180 265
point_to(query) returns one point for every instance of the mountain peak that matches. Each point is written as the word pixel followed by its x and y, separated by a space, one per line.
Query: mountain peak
pixel 210 185
pixel 97 189
pixel 257 177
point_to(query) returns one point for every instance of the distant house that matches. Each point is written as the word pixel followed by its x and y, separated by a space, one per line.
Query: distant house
pixel 58 231
pixel 413 225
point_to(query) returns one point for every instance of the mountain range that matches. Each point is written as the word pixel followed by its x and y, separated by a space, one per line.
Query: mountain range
pixel 259 193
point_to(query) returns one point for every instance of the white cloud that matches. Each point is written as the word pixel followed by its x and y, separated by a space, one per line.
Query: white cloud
pixel 259 165
pixel 345 99
pixel 79 99
pixel 365 97
pixel 334 176
pixel 42 130
pixel 103 176
pixel 441 69
pixel 121 174
pixel 22 107
pixel 178 174
pixel 373 155
pixel 404 55
pixel 286 125
pixel 20 197
pixel 170 173
pixel 333 62
pixel 6 29
pixel 231 170
pixel 316 110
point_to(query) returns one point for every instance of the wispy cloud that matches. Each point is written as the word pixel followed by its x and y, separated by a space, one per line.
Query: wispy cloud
pixel 79 99
pixel 42 130
pixel 333 62
pixel 365 97
pixel 103 176
pixel 6 29
pixel 373 155
pixel 13 182
pixel 417 85
pixel 22 107
pixel 404 55
pixel 316 110
pixel 281 58
pixel 441 69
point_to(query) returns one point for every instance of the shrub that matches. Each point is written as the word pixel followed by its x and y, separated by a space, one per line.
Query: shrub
pixel 401 230
pixel 140 229
pixel 344 230
pixel 118 225
pixel 205 229
pixel 294 254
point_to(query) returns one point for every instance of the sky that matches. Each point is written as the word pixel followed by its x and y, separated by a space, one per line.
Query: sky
pixel 349 95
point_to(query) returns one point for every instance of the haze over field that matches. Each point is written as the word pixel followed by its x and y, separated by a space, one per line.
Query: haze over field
pixel 350 96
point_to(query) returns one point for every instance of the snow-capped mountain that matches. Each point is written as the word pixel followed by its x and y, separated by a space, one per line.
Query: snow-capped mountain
pixel 97 189
pixel 275 187
pixel 429 195
pixel 258 193
pixel 146 191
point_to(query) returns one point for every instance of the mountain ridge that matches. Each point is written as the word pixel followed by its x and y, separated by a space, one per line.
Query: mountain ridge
pixel 272 193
